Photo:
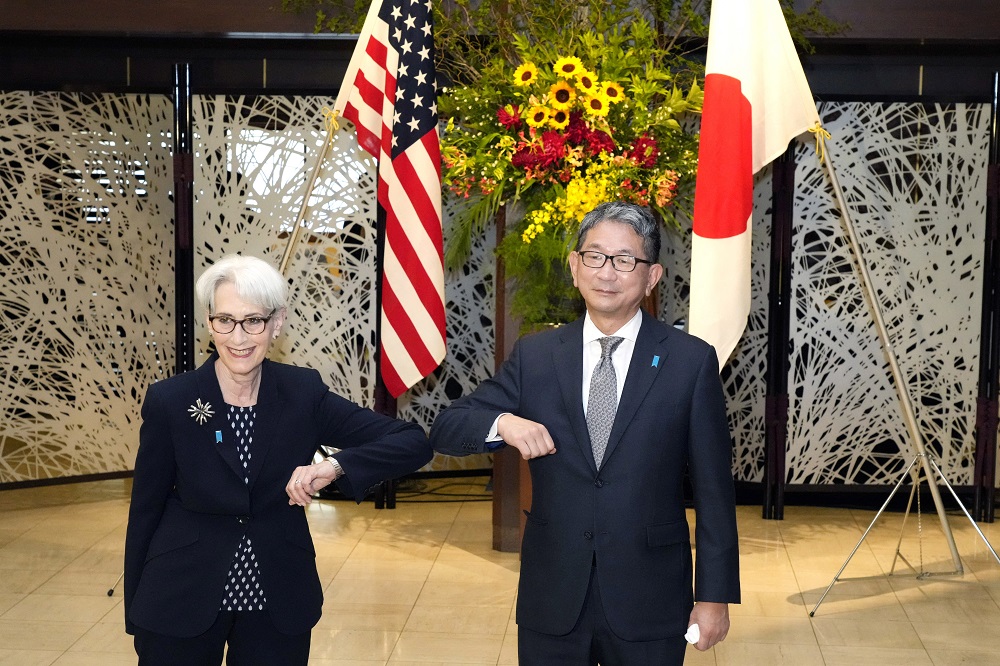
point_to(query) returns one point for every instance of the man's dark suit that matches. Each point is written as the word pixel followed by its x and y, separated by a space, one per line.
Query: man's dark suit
pixel 630 515
pixel 191 505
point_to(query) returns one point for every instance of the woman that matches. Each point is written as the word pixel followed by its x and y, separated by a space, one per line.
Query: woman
pixel 218 549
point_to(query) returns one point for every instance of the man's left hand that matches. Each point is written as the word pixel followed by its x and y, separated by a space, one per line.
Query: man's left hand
pixel 713 622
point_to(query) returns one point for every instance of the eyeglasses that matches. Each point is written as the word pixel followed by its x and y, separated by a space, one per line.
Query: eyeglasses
pixel 251 325
pixel 623 263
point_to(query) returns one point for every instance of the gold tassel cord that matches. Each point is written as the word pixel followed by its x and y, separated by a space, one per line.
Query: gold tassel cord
pixel 821 136
pixel 330 119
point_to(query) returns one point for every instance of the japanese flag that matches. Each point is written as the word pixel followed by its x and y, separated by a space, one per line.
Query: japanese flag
pixel 757 100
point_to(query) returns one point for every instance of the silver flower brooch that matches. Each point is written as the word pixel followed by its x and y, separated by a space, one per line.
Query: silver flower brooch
pixel 201 412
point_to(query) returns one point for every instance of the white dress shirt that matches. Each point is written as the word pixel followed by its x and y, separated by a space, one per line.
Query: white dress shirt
pixel 621 358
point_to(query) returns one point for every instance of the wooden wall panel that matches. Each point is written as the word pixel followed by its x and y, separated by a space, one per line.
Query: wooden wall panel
pixel 163 16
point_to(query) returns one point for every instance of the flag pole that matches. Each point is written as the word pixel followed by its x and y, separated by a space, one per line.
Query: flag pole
pixel 331 124
pixel 383 400
pixel 916 439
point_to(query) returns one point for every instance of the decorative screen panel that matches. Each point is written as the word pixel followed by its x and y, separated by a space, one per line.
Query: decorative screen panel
pixel 469 303
pixel 256 155
pixel 915 181
pixel 743 375
pixel 86 277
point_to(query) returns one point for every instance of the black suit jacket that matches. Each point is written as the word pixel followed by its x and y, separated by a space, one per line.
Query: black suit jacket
pixel 191 507
pixel 631 514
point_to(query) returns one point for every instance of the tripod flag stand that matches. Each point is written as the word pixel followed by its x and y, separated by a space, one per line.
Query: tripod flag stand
pixel 922 460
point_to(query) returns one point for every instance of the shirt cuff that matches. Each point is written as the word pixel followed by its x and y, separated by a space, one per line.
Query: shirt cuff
pixel 493 440
pixel 492 435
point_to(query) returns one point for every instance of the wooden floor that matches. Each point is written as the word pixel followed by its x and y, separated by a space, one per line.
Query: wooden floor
pixel 421 585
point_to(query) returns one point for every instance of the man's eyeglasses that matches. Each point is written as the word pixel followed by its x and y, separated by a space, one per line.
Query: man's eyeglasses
pixel 623 263
pixel 252 325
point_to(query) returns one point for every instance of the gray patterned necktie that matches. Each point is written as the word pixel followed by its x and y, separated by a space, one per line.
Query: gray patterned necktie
pixel 602 403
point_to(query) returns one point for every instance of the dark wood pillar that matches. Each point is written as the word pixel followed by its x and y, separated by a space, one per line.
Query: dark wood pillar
pixel 779 321
pixel 984 475
pixel 183 221
pixel 511 481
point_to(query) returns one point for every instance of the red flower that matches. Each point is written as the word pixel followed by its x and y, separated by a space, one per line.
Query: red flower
pixel 525 157
pixel 553 147
pixel 546 151
pixel 598 141
pixel 509 116
pixel 644 151
pixel 577 130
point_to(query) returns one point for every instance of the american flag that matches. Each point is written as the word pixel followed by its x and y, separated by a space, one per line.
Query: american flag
pixel 390 94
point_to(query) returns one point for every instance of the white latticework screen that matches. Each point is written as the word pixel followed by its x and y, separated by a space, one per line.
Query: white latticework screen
pixel 914 177
pixel 915 181
pixel 254 157
pixel 743 376
pixel 86 284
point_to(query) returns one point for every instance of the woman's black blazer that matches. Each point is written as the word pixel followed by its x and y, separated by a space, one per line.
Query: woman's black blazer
pixel 191 504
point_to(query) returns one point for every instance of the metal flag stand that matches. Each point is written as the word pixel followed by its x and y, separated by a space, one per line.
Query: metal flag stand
pixel 922 461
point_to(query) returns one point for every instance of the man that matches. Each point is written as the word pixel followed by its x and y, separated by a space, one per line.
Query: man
pixel 606 574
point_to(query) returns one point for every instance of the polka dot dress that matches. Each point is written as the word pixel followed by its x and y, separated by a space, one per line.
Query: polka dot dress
pixel 243 590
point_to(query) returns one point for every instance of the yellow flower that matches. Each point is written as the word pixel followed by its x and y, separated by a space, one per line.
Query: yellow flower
pixel 559 119
pixel 537 116
pixel 538 219
pixel 614 92
pixel 561 95
pixel 596 105
pixel 586 81
pixel 526 74
pixel 567 67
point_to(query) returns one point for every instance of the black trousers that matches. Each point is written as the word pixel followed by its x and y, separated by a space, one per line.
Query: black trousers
pixel 252 638
pixel 592 642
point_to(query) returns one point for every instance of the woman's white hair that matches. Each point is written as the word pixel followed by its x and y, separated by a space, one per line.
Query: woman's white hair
pixel 256 281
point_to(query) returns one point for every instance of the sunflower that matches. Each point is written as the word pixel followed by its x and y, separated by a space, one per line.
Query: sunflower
pixel 525 75
pixel 613 92
pixel 537 116
pixel 567 67
pixel 586 81
pixel 559 119
pixel 596 105
pixel 561 94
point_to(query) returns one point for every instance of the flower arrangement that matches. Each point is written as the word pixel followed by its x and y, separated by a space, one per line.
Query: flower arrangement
pixel 556 106
pixel 557 134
